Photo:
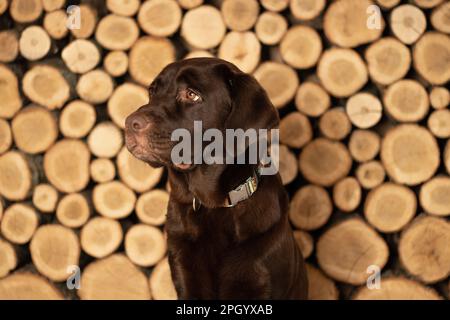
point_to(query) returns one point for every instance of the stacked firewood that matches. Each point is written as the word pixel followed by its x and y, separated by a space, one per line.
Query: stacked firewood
pixel 361 88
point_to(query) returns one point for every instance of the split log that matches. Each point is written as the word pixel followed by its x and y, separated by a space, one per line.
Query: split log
pixel 397 288
pixel 151 207
pixel 113 199
pixel 295 130
pixel 52 5
pixel 390 207
pixel 102 170
pixel 66 165
pixel 342 71
pixel 126 99
pixel 427 4
pixel 410 154
pixel 80 56
pixel 424 249
pixel 159 18
pixel 95 86
pixel 320 287
pixel 113 278
pixel 347 194
pixel 9 46
pixel 240 15
pixel 3 6
pixel 53 249
pixel 45 198
pixel 270 28
pixel 189 4
pixel 344 15
pixel 77 119
pixel 311 99
pixel 439 18
pixel 301 47
pixel 306 9
pixel 364 110
pixel 34 43
pixel 434 196
pixel 88 22
pixel 161 284
pixel 125 8
pixel 115 32
pixel 16 176
pixel 19 223
pixel 8 259
pixel 388 4
pixel 116 63
pixel 24 11
pixel 388 60
pixel 334 124
pixel 279 80
pixel 105 140
pixel 310 208
pixel 347 249
pixel 5 136
pixel 305 242
pixel 45 85
pixel 203 27
pixel 34 129
pixel 145 245
pixel 447 157
pixel 101 236
pixel 198 54
pixel 406 101
pixel 148 57
pixel 364 145
pixel 242 49
pixel 28 286
pixel 430 56
pixel 55 23
pixel 275 5
pixel 408 23
pixel 439 123
pixel 288 167
pixel 439 97
pixel 370 174
pixel 9 91
pixel 73 210
pixel 324 162
pixel 135 173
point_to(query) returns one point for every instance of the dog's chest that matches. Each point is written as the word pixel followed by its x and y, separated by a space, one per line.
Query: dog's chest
pixel 207 237
pixel 200 250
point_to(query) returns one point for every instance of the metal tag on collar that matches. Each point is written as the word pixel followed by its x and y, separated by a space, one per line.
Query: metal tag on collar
pixel 244 191
pixel 196 204
pixel 252 184
pixel 238 194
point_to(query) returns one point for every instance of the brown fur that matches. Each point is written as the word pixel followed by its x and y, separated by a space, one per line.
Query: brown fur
pixel 244 252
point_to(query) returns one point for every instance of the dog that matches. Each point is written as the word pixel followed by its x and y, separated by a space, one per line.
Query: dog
pixel 216 250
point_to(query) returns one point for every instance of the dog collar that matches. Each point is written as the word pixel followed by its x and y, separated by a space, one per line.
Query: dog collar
pixel 238 194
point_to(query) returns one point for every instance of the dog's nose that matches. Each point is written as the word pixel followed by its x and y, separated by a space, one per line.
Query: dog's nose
pixel 138 123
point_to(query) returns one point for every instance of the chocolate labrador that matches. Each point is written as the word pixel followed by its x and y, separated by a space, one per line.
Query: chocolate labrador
pixel 227 228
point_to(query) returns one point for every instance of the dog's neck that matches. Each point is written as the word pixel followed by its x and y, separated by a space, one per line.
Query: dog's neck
pixel 210 184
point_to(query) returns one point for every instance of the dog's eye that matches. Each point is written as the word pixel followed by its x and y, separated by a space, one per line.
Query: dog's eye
pixel 190 95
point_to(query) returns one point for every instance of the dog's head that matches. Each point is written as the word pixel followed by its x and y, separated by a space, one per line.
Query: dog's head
pixel 202 89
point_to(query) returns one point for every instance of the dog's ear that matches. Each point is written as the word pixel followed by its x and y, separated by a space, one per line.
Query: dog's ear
pixel 250 105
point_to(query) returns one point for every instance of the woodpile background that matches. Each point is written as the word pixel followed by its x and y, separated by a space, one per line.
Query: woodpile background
pixel 365 131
